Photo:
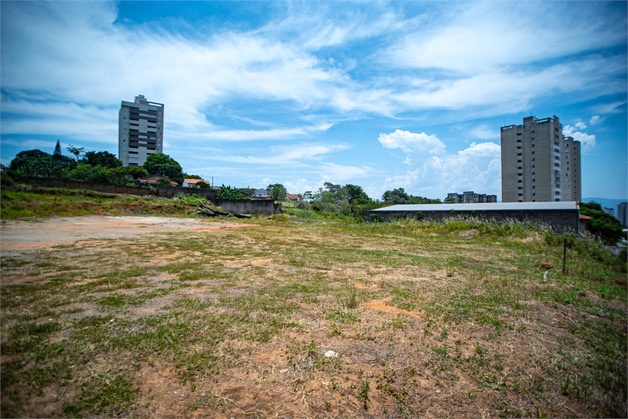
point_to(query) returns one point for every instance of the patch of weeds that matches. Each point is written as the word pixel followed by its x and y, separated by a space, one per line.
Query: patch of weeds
pixel 103 395
pixel 190 304
pixel 344 316
pixel 114 301
pixel 363 394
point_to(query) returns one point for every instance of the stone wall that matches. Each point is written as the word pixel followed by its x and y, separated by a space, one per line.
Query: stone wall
pixel 560 221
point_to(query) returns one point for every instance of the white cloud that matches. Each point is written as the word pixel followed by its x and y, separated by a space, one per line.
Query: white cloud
pixel 436 173
pixel 413 144
pixel 587 140
pixel 286 155
pixel 300 186
pixel 478 37
pixel 609 108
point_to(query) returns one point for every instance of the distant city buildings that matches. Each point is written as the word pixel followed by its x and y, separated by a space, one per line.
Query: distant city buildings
pixel 609 211
pixel 141 129
pixel 622 213
pixel 469 197
pixel 539 164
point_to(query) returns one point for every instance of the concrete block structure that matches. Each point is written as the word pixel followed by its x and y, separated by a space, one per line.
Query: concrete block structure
pixel 539 164
pixel 556 216
pixel 140 131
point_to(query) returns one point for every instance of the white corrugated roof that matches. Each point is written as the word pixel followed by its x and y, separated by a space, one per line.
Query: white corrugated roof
pixel 499 206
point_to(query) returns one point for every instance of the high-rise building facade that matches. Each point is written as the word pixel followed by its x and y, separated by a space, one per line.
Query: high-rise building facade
pixel 539 164
pixel 622 213
pixel 141 131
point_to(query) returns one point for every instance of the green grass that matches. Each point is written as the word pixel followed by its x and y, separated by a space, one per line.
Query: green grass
pixel 241 319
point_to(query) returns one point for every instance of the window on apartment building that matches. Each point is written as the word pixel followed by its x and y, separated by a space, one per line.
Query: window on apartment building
pixel 519 181
pixel 533 173
pixel 520 167
pixel 519 161
pixel 533 187
pixel 534 194
pixel 518 147
pixel 519 154
pixel 520 187
pixel 519 140
pixel 556 165
pixel 532 144
pixel 557 193
pixel 532 151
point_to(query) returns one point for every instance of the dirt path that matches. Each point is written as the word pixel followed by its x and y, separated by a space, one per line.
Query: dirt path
pixel 41 233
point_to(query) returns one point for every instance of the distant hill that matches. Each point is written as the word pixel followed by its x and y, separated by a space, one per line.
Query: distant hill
pixel 609 203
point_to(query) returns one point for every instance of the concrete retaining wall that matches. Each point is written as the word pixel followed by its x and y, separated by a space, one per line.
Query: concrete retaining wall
pixel 249 206
pixel 560 221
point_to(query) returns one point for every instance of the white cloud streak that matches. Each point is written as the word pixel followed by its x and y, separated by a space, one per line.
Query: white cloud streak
pixel 587 140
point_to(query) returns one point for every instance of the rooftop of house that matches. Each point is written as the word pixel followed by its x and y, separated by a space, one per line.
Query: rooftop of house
pixel 195 181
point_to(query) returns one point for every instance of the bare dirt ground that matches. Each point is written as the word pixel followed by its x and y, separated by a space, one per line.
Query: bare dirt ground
pixel 118 317
pixel 48 232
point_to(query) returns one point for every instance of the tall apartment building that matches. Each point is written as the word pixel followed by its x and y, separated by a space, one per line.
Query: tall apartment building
pixel 622 213
pixel 141 131
pixel 539 164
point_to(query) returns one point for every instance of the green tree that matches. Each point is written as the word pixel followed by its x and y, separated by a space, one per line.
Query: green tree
pixel 227 192
pixel 102 158
pixel 134 172
pixel 57 152
pixel 87 173
pixel 164 165
pixel 277 191
pixel 400 196
pixel 201 185
pixel 37 163
pixel 396 196
pixel 76 151
pixel 164 181
pixel 602 225
pixel 247 192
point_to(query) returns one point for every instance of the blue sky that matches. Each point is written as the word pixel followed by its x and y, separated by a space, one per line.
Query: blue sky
pixel 379 94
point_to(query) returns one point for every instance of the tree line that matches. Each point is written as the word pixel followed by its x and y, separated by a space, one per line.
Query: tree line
pixel 104 167
pixel 93 166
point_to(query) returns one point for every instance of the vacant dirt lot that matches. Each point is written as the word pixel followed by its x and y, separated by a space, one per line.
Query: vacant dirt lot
pixel 46 232
pixel 280 317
